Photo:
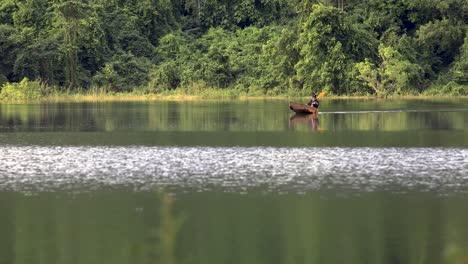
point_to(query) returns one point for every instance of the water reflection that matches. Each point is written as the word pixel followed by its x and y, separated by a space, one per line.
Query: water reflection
pixel 107 227
pixel 370 228
pixel 384 182
pixel 120 226
pixel 310 120
pixel 173 115
pixel 337 115
pixel 161 240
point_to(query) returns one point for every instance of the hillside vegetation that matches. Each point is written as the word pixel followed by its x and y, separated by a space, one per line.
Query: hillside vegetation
pixel 257 47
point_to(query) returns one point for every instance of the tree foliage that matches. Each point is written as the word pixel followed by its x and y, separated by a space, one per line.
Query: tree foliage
pixel 393 74
pixel 253 46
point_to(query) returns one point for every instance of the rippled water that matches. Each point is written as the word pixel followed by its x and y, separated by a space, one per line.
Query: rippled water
pixel 234 169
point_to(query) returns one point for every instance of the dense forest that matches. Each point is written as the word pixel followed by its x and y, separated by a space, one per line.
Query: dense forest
pixel 343 47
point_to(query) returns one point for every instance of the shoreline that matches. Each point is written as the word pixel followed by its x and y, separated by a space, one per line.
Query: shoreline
pixel 129 97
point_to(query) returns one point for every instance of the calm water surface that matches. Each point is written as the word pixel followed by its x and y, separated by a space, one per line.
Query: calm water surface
pixel 368 181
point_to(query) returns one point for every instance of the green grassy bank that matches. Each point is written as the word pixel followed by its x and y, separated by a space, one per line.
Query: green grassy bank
pixel 34 91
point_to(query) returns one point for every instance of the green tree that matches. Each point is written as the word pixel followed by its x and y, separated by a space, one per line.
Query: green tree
pixel 7 9
pixel 123 73
pixel 279 55
pixel 172 57
pixel 9 46
pixel 392 75
pixel 70 18
pixel 320 45
pixel 214 65
pixel 259 46
pixel 460 67
pixel 440 41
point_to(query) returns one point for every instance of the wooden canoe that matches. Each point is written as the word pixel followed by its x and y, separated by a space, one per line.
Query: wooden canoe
pixel 303 108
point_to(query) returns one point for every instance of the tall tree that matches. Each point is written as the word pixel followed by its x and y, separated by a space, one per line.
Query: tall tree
pixel 392 75
pixel 9 46
pixel 320 43
pixel 71 14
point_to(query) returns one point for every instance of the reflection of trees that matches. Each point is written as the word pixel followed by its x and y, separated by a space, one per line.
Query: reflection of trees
pixel 173 115
pixel 163 237
pixel 210 116
pixel 6 228
pixel 456 239
pixel 102 227
pixel 125 227
pixel 392 121
pixel 322 228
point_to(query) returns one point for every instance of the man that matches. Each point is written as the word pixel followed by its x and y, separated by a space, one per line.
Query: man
pixel 314 101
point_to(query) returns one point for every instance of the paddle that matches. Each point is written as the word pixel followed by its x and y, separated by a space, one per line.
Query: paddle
pixel 322 94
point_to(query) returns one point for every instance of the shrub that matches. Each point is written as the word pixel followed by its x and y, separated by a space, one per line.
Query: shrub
pixel 450 89
pixel 165 77
pixel 124 72
pixel 23 90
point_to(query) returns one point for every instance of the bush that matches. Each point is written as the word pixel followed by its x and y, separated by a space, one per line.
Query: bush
pixel 123 73
pixel 165 77
pixel 23 90
pixel 450 89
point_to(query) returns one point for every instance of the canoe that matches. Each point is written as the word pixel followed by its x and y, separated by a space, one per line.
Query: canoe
pixel 302 108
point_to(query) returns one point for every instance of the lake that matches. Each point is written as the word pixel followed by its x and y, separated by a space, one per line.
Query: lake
pixel 241 181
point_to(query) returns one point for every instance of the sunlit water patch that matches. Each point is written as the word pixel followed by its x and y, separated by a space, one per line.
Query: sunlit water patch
pixel 235 169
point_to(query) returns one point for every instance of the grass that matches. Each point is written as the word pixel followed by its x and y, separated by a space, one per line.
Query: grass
pixel 116 97
pixel 11 93
pixel 213 94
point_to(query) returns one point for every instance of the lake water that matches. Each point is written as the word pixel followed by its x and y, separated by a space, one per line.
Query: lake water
pixel 368 181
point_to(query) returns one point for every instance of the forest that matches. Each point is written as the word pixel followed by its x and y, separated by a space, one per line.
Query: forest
pixel 252 47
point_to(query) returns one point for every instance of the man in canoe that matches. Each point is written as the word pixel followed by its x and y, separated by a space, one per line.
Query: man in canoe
pixel 314 101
